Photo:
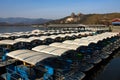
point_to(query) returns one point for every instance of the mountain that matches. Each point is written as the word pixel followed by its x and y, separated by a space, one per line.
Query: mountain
pixel 26 21
pixel 73 18
pixel 86 18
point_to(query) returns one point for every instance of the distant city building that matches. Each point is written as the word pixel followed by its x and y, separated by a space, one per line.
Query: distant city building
pixel 116 22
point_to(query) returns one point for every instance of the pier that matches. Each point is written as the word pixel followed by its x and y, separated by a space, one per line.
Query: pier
pixel 79 27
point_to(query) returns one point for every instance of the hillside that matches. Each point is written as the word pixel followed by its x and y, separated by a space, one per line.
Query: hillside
pixel 87 18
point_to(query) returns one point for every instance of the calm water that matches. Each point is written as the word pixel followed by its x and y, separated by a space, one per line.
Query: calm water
pixel 110 70
pixel 16 28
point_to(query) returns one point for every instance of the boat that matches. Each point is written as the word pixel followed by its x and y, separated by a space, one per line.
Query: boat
pixel 38 65
pixel 72 55
pixel 5 47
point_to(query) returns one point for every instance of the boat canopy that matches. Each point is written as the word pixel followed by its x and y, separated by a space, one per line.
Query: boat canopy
pixel 61 35
pixel 8 42
pixel 23 39
pixel 44 37
pixel 5 35
pixel 36 31
pixel 94 40
pixel 53 50
pixel 39 48
pixel 68 41
pixel 64 45
pixel 33 38
pixel 27 39
pixel 53 36
pixel 85 43
pixel 29 56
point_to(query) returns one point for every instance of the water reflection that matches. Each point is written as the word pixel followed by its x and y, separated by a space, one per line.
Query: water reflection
pixel 112 70
pixel 107 70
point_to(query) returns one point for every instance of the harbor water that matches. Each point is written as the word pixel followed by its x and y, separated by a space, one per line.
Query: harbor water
pixel 109 70
pixel 8 29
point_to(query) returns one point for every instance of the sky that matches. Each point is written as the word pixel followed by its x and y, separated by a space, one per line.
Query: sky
pixel 55 9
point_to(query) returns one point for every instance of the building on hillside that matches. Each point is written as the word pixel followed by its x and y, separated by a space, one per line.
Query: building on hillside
pixel 73 18
pixel 116 22
pixel 69 19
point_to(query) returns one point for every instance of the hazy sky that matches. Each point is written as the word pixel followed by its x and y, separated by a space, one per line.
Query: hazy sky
pixel 53 9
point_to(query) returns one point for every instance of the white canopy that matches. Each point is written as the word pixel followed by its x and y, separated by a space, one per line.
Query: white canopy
pixel 27 39
pixel 68 41
pixel 36 31
pixel 23 39
pixel 33 38
pixel 64 45
pixel 50 50
pixel 90 39
pixel 5 35
pixel 39 48
pixel 85 43
pixel 53 36
pixel 44 37
pixel 29 56
pixel 8 42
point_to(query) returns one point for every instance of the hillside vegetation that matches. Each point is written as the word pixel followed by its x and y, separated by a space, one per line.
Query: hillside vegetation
pixel 88 18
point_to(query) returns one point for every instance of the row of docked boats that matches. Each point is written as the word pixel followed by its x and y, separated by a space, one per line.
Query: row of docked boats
pixel 67 60
pixel 45 39
pixel 27 34
pixel 28 42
